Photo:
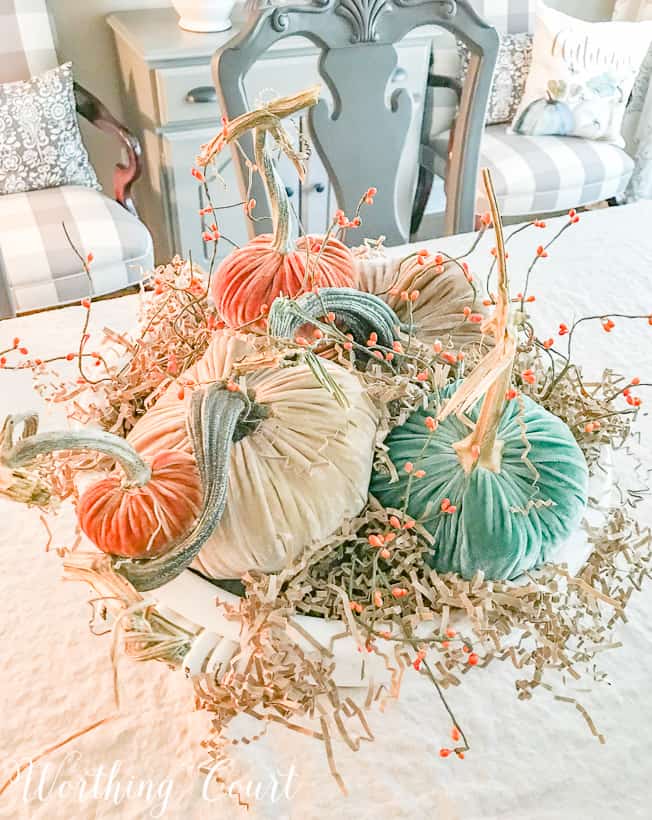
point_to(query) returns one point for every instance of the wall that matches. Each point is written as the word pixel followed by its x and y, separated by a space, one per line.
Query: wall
pixel 84 37
pixel 587 9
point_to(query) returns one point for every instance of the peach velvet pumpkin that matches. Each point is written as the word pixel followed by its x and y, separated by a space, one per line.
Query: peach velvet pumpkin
pixel 249 279
pixel 300 463
pixel 136 512
pixel 142 521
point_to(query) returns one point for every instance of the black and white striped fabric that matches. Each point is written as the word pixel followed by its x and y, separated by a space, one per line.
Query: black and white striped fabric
pixel 537 175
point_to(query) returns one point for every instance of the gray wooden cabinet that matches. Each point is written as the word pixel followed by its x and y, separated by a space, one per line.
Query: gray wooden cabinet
pixel 171 104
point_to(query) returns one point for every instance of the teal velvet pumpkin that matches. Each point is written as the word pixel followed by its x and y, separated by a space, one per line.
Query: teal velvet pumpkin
pixel 504 523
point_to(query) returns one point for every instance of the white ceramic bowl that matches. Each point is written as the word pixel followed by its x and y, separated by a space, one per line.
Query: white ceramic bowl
pixel 204 15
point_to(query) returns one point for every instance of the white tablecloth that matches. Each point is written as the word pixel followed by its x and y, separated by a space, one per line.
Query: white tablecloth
pixel 529 761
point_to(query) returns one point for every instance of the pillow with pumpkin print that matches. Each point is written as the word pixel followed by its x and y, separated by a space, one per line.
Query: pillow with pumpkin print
pixel 581 76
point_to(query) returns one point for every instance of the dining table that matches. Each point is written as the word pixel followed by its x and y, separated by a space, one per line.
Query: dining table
pixel 528 760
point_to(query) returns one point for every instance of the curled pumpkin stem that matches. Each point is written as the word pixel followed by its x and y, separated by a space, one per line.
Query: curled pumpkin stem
pixel 213 423
pixel 361 313
pixel 266 118
pixel 33 444
pixel 278 197
pixel 262 121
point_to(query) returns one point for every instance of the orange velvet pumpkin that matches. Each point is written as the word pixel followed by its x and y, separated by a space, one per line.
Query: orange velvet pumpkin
pixel 138 512
pixel 251 277
pixel 142 521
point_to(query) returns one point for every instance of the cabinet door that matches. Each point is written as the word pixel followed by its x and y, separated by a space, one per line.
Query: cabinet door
pixel 186 197
pixel 318 203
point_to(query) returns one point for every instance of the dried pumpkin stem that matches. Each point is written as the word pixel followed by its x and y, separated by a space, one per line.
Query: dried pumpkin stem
pixel 261 121
pixel 276 192
pixel 29 448
pixel 266 117
pixel 481 447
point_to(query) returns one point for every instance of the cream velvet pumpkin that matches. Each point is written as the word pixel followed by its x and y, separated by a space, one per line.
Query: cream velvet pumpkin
pixel 444 292
pixel 295 478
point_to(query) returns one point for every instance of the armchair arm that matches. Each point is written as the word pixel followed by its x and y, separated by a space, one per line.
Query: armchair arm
pixel 89 107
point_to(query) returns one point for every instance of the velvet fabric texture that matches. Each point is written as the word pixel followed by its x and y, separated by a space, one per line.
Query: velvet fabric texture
pixel 506 523
pixel 250 278
pixel 295 478
pixel 444 292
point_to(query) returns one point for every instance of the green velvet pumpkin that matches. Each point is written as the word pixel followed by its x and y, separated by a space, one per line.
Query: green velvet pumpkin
pixel 506 522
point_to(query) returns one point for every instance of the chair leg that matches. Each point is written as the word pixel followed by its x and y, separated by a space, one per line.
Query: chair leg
pixel 424 187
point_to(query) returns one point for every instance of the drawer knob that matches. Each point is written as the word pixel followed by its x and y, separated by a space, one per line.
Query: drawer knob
pixel 202 94
pixel 289 191
pixel 320 187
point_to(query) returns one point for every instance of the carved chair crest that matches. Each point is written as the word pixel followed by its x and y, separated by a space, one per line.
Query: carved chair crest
pixel 360 137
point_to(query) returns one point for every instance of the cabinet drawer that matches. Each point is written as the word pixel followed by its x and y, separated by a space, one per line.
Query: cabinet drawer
pixel 186 94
